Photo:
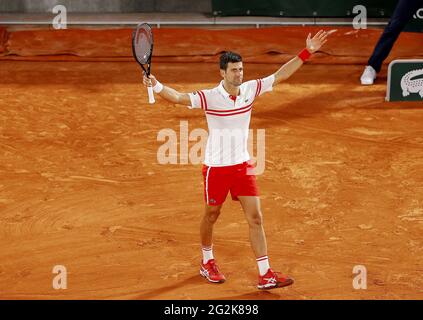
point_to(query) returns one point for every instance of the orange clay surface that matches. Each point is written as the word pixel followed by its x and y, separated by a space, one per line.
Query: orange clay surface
pixel 80 184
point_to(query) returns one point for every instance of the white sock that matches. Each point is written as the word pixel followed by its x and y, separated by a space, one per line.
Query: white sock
pixel 207 253
pixel 263 264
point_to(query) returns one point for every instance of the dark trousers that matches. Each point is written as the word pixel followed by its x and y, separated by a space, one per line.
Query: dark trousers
pixel 403 13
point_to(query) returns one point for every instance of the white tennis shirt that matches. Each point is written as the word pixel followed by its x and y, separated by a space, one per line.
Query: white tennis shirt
pixel 228 120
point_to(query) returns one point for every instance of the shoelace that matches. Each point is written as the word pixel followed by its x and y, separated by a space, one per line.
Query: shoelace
pixel 214 268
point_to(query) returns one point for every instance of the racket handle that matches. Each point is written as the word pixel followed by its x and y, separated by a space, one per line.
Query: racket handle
pixel 151 95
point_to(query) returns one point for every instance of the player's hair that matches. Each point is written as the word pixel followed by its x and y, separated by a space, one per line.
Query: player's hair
pixel 227 57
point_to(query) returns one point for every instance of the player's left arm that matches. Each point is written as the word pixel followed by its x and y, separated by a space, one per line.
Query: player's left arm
pixel 312 45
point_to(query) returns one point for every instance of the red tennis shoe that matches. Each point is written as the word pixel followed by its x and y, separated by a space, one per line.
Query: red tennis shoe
pixel 211 272
pixel 273 280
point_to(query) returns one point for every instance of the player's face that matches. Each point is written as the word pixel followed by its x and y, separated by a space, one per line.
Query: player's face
pixel 234 73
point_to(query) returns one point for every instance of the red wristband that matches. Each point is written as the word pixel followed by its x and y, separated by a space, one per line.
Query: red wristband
pixel 304 55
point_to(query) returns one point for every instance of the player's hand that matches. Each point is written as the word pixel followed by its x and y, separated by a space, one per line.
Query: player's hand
pixel 315 43
pixel 149 81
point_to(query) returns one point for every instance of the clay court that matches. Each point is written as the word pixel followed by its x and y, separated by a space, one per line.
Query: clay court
pixel 80 184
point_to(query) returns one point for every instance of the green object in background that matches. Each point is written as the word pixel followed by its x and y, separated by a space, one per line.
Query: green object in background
pixel 405 80
pixel 302 8
pixel 416 23
pixel 312 9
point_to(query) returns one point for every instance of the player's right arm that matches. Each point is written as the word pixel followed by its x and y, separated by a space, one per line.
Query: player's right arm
pixel 168 93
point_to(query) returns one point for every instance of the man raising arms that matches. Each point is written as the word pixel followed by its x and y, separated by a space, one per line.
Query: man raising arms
pixel 227 165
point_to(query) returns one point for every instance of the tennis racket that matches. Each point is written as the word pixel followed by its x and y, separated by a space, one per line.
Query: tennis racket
pixel 142 49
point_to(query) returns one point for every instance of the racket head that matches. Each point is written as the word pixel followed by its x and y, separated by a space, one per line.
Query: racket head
pixel 142 45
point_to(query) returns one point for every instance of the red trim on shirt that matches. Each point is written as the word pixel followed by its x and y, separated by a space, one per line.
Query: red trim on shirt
pixel 258 90
pixel 204 97
pixel 227 115
pixel 201 100
pixel 223 111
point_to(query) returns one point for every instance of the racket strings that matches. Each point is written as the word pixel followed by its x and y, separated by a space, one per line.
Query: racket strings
pixel 143 45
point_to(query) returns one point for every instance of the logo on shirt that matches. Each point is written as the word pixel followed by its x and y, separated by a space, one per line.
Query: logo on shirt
pixel 212 201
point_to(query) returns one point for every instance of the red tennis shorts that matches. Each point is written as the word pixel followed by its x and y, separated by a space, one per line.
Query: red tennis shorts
pixel 239 179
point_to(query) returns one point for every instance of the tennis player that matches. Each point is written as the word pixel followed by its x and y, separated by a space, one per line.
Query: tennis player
pixel 227 166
